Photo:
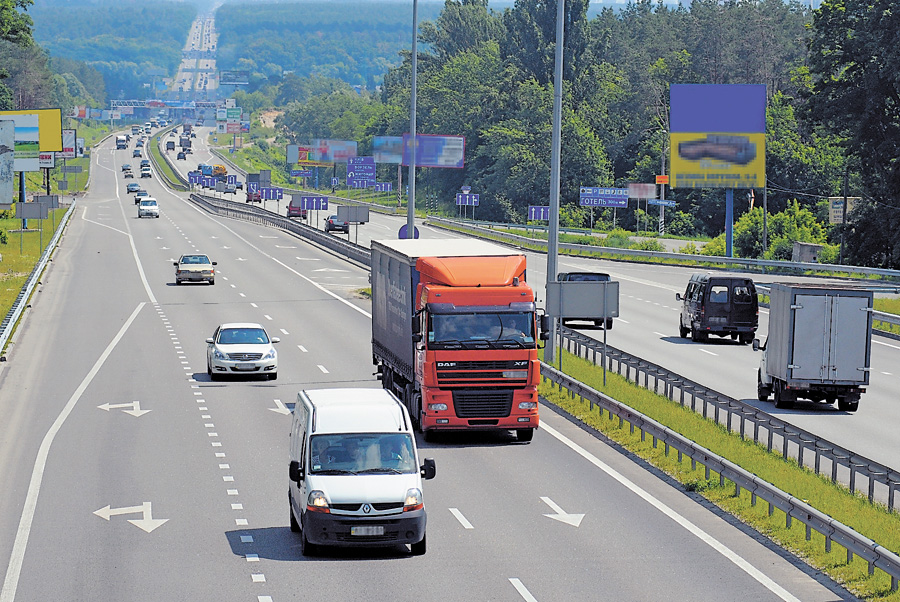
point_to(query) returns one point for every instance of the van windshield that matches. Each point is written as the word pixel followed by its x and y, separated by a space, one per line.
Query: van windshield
pixel 355 453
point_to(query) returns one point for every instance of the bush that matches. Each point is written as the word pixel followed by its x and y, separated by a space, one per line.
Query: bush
pixel 618 238
pixel 4 237
pixel 648 245
pixel 715 247
pixel 689 249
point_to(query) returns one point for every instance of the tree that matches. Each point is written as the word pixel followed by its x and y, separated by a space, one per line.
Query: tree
pixel 15 26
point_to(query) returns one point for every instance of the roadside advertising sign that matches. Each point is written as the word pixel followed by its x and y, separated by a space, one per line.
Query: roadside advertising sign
pixel 332 151
pixel 46 160
pixel 79 148
pixel 232 128
pixel 52 200
pixel 295 153
pixel 836 208
pixel 603 197
pixel 68 145
pixel 7 172
pixel 468 200
pixel 641 191
pixel 31 211
pixel 26 147
pixel 48 127
pixel 538 212
pixel 717 135
pixel 435 151
pixel 387 149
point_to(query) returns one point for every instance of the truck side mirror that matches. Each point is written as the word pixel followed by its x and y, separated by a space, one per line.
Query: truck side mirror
pixel 295 472
pixel 545 327
pixel 755 344
pixel 427 469
pixel 678 297
pixel 416 329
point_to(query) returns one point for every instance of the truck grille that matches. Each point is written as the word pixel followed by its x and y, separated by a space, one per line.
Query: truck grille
pixel 479 403
pixel 480 373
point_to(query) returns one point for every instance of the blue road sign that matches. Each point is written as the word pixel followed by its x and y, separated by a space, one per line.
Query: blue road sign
pixel 271 193
pixel 467 199
pixel 384 186
pixel 232 179
pixel 335 181
pixel 539 212
pixel 360 169
pixel 663 202
pixel 301 173
pixel 194 177
pixel 603 197
pixel 252 186
pixel 402 234
pixel 317 203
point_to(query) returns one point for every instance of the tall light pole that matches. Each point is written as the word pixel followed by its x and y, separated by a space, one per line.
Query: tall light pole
pixel 553 239
pixel 411 201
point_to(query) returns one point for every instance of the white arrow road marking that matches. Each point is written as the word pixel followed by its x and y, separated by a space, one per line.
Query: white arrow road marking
pixel 147 523
pixel 462 519
pixel 281 409
pixel 523 591
pixel 135 406
pixel 561 515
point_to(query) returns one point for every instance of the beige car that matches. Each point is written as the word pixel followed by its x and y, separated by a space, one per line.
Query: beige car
pixel 195 268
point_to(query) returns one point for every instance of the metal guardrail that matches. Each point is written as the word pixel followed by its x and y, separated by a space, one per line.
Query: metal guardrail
pixel 258 215
pixel 834 531
pixel 18 306
pixel 844 465
pixel 758 264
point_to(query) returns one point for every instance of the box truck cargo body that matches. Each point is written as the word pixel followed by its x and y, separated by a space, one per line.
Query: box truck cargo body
pixel 819 345
pixel 454 334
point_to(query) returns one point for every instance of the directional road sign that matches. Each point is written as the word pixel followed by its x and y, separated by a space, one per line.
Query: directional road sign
pixel 663 202
pixel 318 203
pixel 603 197
pixel 360 169
pixel 539 212
pixel 271 193
pixel 467 199
pixel 384 186
pixel 301 173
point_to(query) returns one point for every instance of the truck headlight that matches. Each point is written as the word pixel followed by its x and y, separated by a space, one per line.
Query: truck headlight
pixel 413 500
pixel 437 407
pixel 317 502
pixel 527 405
pixel 515 374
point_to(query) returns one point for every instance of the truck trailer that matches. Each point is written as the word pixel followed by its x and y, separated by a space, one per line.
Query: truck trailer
pixel 819 345
pixel 454 334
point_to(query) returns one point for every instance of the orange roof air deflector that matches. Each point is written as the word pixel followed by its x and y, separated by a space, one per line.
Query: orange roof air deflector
pixel 471 271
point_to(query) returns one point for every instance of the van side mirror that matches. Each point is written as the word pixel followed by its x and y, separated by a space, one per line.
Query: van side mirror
pixel 175 264
pixel 678 297
pixel 755 344
pixel 295 472
pixel 427 470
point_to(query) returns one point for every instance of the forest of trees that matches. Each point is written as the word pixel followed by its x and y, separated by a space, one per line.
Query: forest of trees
pixel 130 43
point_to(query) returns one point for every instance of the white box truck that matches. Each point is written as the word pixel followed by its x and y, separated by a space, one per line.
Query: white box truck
pixel 819 345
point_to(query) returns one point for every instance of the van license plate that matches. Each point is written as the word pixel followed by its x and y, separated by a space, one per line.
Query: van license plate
pixel 372 530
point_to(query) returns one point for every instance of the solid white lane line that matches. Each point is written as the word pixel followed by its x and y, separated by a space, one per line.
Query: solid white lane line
pixel 462 519
pixel 14 569
pixel 702 535
pixel 523 591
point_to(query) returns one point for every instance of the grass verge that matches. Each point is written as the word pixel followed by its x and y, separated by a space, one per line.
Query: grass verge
pixel 873 521
pixel 162 165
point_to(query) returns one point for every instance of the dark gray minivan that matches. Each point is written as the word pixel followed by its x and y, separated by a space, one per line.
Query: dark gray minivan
pixel 726 306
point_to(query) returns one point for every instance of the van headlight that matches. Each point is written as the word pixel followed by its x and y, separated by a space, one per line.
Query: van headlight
pixel 413 500
pixel 317 502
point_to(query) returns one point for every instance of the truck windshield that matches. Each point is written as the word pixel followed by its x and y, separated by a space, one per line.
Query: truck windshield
pixel 469 330
pixel 352 453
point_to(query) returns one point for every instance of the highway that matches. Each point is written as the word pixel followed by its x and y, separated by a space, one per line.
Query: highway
pixel 130 476
pixel 648 328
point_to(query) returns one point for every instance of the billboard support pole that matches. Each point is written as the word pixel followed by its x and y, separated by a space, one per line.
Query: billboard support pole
pixel 729 222
pixel 411 201
pixel 22 200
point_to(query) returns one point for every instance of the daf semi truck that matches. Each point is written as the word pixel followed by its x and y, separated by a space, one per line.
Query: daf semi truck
pixel 454 334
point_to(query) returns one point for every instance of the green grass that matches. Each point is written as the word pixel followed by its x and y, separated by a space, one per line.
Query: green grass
pixel 162 166
pixel 872 520
pixel 890 306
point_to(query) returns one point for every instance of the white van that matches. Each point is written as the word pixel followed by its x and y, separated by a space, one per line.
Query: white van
pixel 355 478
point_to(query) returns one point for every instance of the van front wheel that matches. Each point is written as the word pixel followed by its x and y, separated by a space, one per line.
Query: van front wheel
pixel 682 331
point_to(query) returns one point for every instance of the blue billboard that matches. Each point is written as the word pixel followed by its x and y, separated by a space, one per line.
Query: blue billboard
pixel 435 151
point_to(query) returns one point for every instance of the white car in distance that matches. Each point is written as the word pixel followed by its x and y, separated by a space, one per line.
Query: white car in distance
pixel 241 348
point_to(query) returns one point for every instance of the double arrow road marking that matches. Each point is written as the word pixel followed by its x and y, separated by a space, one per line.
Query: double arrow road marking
pixel 147 523
pixel 135 406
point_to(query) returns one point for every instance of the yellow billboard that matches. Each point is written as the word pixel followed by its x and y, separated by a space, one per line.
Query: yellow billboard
pixel 711 160
pixel 49 127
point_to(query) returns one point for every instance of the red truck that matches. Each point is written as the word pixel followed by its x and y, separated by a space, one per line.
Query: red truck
pixel 454 334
